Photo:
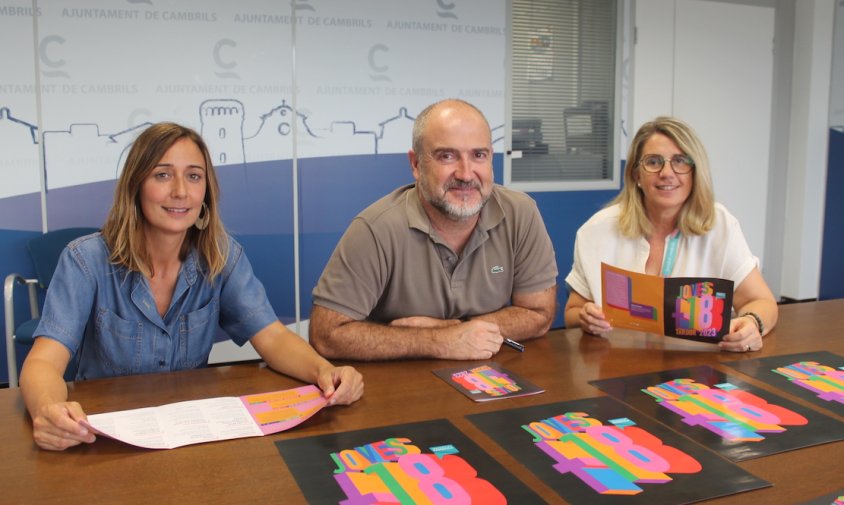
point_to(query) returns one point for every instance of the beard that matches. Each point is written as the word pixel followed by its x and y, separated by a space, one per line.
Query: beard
pixel 456 211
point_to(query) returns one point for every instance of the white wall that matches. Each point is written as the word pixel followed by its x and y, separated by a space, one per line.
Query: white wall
pixel 752 78
pixel 711 64
pixel 723 82
pixel 808 146
pixel 653 61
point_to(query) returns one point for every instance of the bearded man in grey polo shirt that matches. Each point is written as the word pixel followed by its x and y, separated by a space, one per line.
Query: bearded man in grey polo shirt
pixel 447 267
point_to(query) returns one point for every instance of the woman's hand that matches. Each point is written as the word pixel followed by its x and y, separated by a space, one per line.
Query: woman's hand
pixel 751 297
pixel 57 426
pixel 55 421
pixel 585 313
pixel 743 337
pixel 593 320
pixel 340 385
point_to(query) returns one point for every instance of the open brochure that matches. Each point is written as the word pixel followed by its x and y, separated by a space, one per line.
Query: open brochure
pixel 197 421
pixel 694 308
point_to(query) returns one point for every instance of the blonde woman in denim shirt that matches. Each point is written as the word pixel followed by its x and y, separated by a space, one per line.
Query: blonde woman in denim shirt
pixel 149 293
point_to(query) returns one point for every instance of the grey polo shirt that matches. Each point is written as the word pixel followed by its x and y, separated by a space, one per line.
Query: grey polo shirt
pixel 391 263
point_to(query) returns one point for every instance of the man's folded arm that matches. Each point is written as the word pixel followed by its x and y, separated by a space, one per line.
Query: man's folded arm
pixel 530 315
pixel 338 336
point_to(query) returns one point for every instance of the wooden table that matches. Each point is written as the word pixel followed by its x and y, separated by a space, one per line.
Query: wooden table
pixel 252 471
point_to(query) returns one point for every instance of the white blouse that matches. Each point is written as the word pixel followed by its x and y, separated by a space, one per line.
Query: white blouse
pixel 723 252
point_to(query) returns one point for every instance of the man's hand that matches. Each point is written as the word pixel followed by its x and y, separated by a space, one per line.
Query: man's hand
pixel 474 339
pixel 338 336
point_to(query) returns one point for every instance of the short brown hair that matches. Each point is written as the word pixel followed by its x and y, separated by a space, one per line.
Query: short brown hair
pixel 124 227
pixel 697 216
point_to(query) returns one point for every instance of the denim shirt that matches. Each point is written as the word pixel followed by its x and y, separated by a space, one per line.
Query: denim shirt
pixel 106 315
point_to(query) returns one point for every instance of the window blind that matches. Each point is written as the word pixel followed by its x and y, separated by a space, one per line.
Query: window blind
pixel 563 72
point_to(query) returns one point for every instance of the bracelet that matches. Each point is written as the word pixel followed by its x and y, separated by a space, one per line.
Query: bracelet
pixel 756 319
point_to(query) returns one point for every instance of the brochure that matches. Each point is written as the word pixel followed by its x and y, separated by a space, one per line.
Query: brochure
pixel 694 308
pixel 211 419
pixel 487 382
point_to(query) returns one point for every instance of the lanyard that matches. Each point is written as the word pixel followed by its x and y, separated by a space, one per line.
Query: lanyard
pixel 670 253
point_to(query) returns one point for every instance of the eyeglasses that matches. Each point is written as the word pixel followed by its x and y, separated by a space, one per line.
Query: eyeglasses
pixel 680 163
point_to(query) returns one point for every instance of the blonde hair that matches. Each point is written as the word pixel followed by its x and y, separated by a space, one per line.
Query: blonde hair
pixel 697 216
pixel 124 227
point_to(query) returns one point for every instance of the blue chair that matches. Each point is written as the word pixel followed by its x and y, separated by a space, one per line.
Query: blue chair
pixel 44 251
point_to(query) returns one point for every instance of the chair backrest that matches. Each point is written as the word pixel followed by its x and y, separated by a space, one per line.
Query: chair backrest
pixel 45 250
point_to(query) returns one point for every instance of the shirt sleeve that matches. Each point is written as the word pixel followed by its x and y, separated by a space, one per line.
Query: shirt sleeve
pixel 739 261
pixel 577 279
pixel 244 307
pixel 352 281
pixel 68 306
pixel 535 263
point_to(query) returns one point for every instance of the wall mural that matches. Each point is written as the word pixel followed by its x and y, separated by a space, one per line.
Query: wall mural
pixel 334 84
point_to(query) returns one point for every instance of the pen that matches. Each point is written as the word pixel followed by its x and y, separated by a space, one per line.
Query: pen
pixel 515 345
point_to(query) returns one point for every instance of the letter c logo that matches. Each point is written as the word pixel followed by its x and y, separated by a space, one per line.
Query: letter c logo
pixel 377 48
pixel 217 50
pixel 42 50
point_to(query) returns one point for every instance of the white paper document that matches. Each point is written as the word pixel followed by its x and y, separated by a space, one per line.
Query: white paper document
pixel 208 420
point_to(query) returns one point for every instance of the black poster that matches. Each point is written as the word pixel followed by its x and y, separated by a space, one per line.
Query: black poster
pixel 723 412
pixel 836 498
pixel 426 462
pixel 600 451
pixel 817 377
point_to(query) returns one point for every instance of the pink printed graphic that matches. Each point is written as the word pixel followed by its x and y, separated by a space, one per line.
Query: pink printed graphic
pixel 612 460
pixel 395 471
pixel 825 381
pixel 698 310
pixel 617 290
pixel 281 410
pixel 487 380
pixel 733 414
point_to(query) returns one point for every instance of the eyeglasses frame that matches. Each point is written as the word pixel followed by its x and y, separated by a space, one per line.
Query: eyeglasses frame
pixel 691 163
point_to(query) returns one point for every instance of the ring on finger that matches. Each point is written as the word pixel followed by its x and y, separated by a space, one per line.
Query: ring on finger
pixel 747 348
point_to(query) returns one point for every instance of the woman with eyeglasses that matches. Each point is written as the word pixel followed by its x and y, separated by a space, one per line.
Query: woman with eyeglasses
pixel 665 222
